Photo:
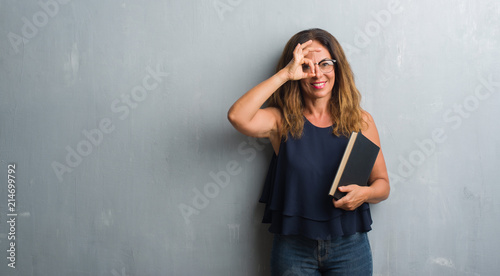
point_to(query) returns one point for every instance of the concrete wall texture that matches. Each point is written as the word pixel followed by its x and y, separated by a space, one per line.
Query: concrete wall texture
pixel 116 157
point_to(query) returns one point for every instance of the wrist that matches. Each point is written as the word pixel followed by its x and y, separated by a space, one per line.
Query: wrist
pixel 282 76
pixel 370 191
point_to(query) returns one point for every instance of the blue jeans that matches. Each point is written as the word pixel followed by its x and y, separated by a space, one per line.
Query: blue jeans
pixel 297 255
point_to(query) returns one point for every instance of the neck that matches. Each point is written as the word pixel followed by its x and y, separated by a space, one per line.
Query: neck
pixel 317 108
pixel 317 112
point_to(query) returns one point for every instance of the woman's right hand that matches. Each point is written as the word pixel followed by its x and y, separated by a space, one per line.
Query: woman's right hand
pixel 246 114
pixel 294 67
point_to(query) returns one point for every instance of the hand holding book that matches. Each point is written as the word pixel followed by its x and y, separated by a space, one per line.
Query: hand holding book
pixel 356 165
pixel 355 196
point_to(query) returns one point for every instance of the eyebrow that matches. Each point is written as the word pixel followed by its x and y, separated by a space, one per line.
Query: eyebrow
pixel 324 59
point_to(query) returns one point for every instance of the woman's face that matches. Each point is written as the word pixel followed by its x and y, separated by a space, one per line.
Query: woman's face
pixel 321 85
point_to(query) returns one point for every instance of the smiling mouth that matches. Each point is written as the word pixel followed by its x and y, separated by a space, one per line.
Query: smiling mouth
pixel 319 85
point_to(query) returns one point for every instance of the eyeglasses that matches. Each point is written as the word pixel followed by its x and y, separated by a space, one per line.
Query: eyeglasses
pixel 326 66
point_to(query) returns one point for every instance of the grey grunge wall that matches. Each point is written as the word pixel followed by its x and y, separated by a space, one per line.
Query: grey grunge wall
pixel 116 157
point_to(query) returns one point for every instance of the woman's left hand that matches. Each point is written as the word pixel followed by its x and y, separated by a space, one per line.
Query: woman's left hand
pixel 378 184
pixel 356 195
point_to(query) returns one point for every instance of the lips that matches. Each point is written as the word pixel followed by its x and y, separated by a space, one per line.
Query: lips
pixel 319 85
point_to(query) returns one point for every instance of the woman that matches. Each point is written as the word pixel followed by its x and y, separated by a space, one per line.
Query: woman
pixel 313 106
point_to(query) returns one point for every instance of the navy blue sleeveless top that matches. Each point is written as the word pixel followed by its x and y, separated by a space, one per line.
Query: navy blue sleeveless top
pixel 297 185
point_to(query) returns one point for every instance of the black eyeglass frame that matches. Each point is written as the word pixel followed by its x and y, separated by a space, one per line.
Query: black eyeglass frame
pixel 323 60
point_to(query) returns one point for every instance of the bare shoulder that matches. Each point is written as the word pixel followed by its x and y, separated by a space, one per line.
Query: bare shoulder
pixel 367 117
pixel 370 130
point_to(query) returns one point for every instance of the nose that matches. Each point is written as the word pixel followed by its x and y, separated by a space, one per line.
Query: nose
pixel 318 71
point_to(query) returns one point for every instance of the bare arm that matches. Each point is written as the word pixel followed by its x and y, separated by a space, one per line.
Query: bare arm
pixel 247 116
pixel 378 189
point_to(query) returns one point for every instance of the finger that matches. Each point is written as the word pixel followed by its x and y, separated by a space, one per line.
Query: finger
pixel 336 204
pixel 305 47
pixel 297 49
pixel 339 202
pixel 342 203
pixel 305 51
pixel 306 44
pixel 347 188
pixel 311 65
pixel 297 53
pixel 299 46
pixel 308 50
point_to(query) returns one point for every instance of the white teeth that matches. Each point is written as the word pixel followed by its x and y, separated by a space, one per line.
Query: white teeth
pixel 318 84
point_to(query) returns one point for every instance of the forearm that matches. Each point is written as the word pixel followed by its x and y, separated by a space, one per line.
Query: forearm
pixel 245 108
pixel 379 191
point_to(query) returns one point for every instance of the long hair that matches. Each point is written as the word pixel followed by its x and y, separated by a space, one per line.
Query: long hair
pixel 344 106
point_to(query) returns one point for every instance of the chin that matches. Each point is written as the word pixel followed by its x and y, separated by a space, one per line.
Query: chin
pixel 318 93
pixel 323 93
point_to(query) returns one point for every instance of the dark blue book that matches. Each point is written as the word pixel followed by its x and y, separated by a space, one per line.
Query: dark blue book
pixel 356 164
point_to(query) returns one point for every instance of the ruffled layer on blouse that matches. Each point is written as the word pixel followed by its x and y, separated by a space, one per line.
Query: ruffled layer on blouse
pixel 297 185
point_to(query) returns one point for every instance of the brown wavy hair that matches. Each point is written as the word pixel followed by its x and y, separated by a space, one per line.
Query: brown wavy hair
pixel 344 107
